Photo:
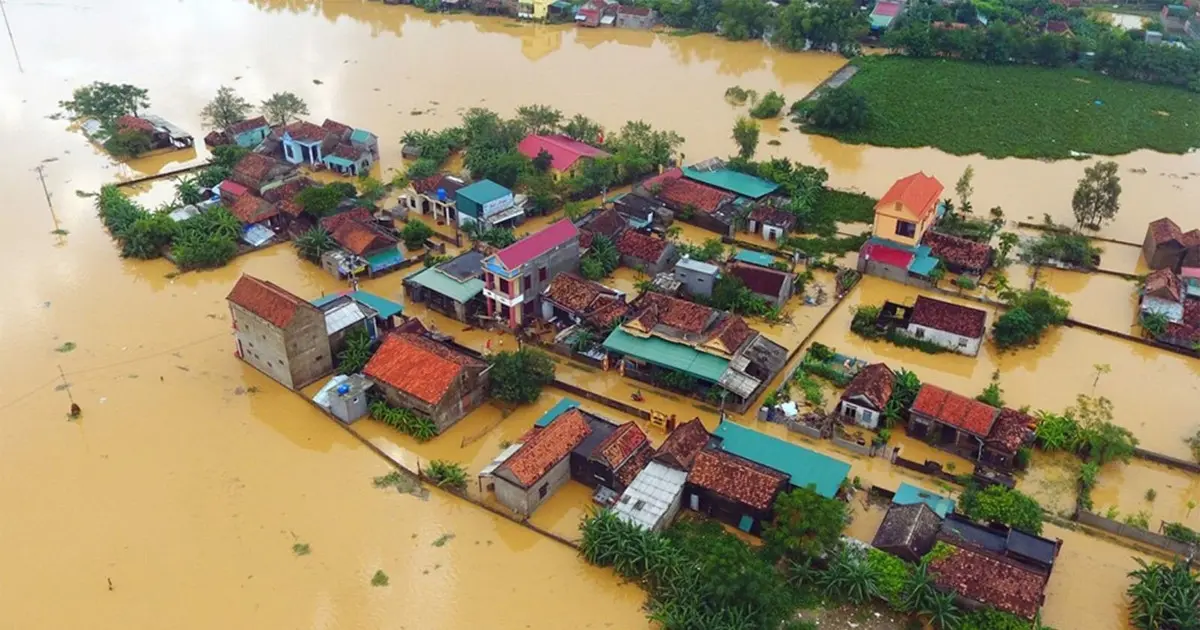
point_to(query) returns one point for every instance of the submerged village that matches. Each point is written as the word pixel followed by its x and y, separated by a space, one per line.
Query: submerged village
pixel 759 399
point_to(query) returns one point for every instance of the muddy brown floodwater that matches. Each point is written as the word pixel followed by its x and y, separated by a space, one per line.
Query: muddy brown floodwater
pixel 176 499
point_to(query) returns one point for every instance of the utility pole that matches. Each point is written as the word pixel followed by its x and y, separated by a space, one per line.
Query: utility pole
pixel 11 40
pixel 41 172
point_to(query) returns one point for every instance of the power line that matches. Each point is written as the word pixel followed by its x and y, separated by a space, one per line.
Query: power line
pixel 11 39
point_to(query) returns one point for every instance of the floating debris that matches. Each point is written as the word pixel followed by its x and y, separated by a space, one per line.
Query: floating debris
pixel 318 82
pixel 66 347
pixel 301 549
pixel 379 579
pixel 443 539
pixel 59 232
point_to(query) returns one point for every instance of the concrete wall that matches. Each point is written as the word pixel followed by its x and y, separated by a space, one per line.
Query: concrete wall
pixel 696 283
pixel 625 20
pixel 523 501
pixel 863 416
pixel 951 341
pixel 295 357
pixel 464 395
pixel 1146 537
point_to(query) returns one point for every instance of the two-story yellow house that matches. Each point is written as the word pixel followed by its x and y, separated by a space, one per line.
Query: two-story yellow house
pixel 908 209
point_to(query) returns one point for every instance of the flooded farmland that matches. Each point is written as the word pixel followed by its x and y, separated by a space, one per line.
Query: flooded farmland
pixel 177 498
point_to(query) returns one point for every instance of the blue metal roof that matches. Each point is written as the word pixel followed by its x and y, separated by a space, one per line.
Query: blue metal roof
pixel 483 191
pixel 384 306
pixel 908 494
pixel 555 411
pixel 754 258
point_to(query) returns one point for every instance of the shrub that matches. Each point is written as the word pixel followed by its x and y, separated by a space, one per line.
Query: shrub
pixel 415 233
pixel 768 106
pixel 1163 597
pixel 518 377
pixel 1055 432
pixel 863 322
pixel 447 474
pixel 998 504
pixel 806 526
pixel 891 574
pixel 841 109
pixel 1030 314
pixel 966 283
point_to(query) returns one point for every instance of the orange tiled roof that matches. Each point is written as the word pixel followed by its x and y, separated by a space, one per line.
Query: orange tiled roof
pixel 736 478
pixel 250 209
pixel 547 447
pixel 417 366
pixel 305 131
pixel 1164 230
pixel 246 125
pixel 266 299
pixel 620 444
pixel 641 246
pixel 133 123
pixel 634 465
pixel 656 308
pixel 733 332
pixel 955 410
pixel 254 166
pixel 986 579
pixel 361 239
pixel 680 448
pixel 918 192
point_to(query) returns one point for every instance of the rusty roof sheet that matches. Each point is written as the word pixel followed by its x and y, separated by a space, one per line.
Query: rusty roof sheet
pixel 641 246
pixel 989 580
pixel 680 448
pixel 1165 230
pixel 656 308
pixel 418 366
pixel 574 293
pixel 250 209
pixel 1164 284
pixel 761 280
pixel 874 383
pixel 1010 430
pixel 620 444
pixel 949 317
pixel 546 448
pixel 955 410
pixel 267 300
pixel 771 215
pixel 736 478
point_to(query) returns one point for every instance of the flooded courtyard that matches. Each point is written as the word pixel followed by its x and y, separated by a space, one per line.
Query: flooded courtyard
pixel 178 497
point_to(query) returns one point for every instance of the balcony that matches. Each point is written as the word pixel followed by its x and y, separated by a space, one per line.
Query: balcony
pixel 506 300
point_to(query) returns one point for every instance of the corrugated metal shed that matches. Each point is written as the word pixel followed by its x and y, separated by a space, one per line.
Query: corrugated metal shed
pixel 647 500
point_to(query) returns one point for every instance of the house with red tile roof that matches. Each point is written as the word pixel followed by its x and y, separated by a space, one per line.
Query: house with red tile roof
pixel 629 16
pixel 773 285
pixel 991 580
pixel 1166 246
pixel 907 209
pixel 639 250
pixel 1163 293
pixel 952 420
pixel 1012 430
pixel 706 206
pixel 567 155
pixel 681 446
pixel 251 210
pixel 865 398
pixel 257 171
pixel 947 324
pixel 771 222
pixel 434 195
pixel 611 456
pixel 278 333
pixel 958 254
pixel 541 464
pixel 248 133
pixel 733 489
pixel 284 196
pixel 434 379
pixel 514 277
pixel 570 299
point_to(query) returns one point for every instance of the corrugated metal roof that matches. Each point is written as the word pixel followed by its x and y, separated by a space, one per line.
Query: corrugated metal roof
pixel 733 181
pixel 555 411
pixel 754 258
pixel 438 282
pixel 500 459
pixel 343 316
pixel 383 306
pixel 908 494
pixel 805 467
pixel 672 356
pixel 483 191
pixel 697 266
pixel 646 501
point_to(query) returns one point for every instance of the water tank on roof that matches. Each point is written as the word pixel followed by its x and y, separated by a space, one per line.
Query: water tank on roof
pixel 441 194
pixel 343 389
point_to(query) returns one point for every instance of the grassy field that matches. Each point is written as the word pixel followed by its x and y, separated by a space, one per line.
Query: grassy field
pixel 1018 111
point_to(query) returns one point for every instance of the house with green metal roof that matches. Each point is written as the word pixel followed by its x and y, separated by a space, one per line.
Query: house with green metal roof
pixel 803 467
pixel 486 201
pixel 732 181
pixel 672 356
pixel 754 258
pixel 453 288
pixel 350 310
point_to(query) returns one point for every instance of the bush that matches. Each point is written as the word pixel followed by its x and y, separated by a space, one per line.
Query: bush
pixel 768 106
pixel 811 388
pixel 415 233
pixel 357 353
pixel 965 283
pixel 447 474
pixel 679 381
pixel 601 260
pixel 891 574
pixel 1030 314
pixel 518 377
pixel 840 109
pixel 1071 248
pixel 404 421
pixel 863 322
pixel 998 504
pixel 1163 597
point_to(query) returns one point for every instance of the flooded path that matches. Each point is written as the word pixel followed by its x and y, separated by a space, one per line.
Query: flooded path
pixel 191 476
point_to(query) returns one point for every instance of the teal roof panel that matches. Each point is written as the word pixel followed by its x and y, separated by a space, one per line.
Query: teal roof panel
pixel 805 467
pixel 383 306
pixel 908 494
pixel 483 191
pixel 439 282
pixel 673 356
pixel 754 258
pixel 555 411
pixel 733 181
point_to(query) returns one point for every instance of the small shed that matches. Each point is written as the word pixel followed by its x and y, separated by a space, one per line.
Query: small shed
pixel 699 277
pixel 652 500
pixel 345 397
pixel 908 531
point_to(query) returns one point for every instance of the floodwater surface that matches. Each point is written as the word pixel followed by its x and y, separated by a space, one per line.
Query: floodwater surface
pixel 178 497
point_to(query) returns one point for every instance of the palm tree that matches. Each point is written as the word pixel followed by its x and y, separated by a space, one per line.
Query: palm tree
pixel 313 243
pixel 941 611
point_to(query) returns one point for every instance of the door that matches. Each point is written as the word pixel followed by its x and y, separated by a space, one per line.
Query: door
pixel 746 523
pixel 694 502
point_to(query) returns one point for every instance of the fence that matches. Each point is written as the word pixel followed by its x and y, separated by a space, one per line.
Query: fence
pixel 1152 539
pixel 603 400
pixel 1167 460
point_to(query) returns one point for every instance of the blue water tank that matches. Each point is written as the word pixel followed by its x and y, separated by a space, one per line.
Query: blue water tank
pixel 343 389
pixel 441 194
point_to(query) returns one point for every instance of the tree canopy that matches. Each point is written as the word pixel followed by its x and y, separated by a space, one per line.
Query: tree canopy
pixel 745 136
pixel 282 107
pixel 106 102
pixel 226 108
pixel 806 525
pixel 518 377
pixel 1097 198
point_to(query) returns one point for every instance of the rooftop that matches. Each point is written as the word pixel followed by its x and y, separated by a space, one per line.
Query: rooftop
pixel 243 126
pixel 383 306
pixel 1010 430
pixel 761 280
pixel 652 309
pixel 536 244
pixel 680 448
pixel 335 127
pixel 986 579
pixel 1165 230
pixel 959 251
pixel 667 354
pixel 955 410
pixel 732 332
pixel 574 293
pixel 674 189
pixel 908 494
pixel 255 166
pixel 650 495
pixel 804 467
pixel 754 258
pixel 361 238
pixel 733 181
pixel 1164 284
pixel 621 444
pixel 641 246
pixel 949 317
pixel 483 191
pixel 545 448
pixel 918 193
pixel 437 280
pixel 912 526
pixel 250 209
pixel 873 383
pixel 773 216
pixel 430 185
pixel 606 222
pixel 736 478
pixel 887 254
pixel 266 299
pixel 691 264
pixel 418 366
pixel 564 151
pixel 558 409
pixel 133 123
pixel 304 131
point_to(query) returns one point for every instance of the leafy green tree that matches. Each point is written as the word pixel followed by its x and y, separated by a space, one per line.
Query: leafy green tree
pixel 320 201
pixel 421 169
pixel 768 106
pixel 1098 196
pixel 1000 505
pixel 744 19
pixel 415 233
pixel 371 190
pixel 357 352
pixel 583 129
pixel 283 107
pixel 806 525
pixel 1097 436
pixel 942 612
pixel 313 243
pixel 745 135
pixel 639 149
pixel 601 260
pixel 147 236
pixel 501 167
pixel 539 119
pixel 187 191
pixel 226 108
pixel 841 109
pixel 227 156
pixel 731 294
pixel 543 161
pixel 106 102
pixel 128 143
pixel 826 25
pixel 518 377
pixel 850 578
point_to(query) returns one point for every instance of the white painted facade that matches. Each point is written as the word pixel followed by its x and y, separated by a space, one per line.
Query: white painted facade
pixel 950 341
pixel 863 416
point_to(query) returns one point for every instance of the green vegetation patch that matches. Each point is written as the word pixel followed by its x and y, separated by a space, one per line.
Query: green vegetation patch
pixel 1018 111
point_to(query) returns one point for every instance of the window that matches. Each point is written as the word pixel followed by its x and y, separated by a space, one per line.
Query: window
pixel 906 228
pixel 542 274
pixel 528 282
pixel 920 333
pixel 542 491
pixel 503 285
pixel 962 342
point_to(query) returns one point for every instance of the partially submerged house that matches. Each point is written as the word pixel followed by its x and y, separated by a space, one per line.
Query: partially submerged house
pixel 252 210
pixel 652 254
pixel 629 16
pixel 333 145
pixel 453 288
pixel 258 172
pixel 540 464
pixel 866 397
pixel 691 201
pixel 567 155
pixel 951 420
pixel 434 379
pixel 697 277
pixel 514 277
pixel 489 203
pixel 611 457
pixel 1168 247
pixel 570 299
pixel 959 255
pixel 162 133
pixel 436 195
pixel 949 325
pixel 248 133
pixel 771 222
pixel 773 285
pixel 366 245
pixel 356 310
pixel 713 348
pixel 278 333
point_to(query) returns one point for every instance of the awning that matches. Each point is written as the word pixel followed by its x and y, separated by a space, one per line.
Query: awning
pixel 672 356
